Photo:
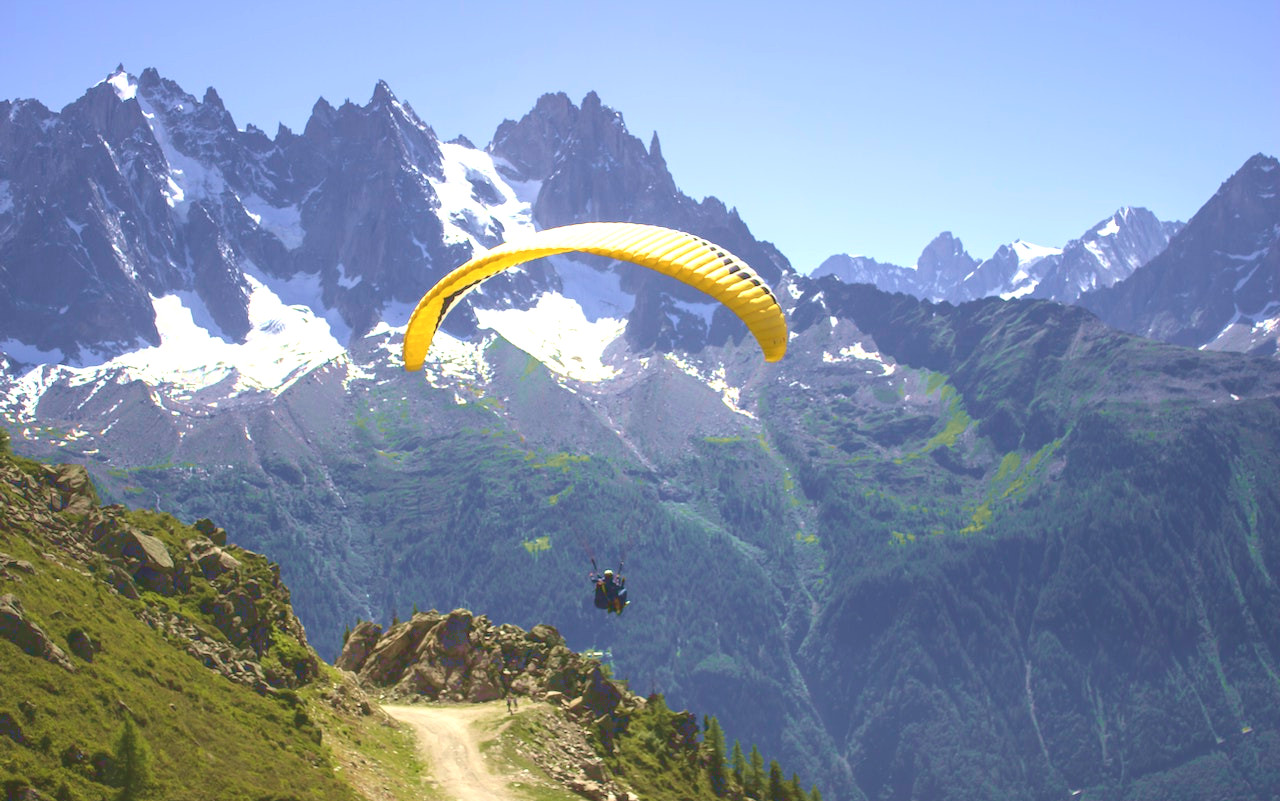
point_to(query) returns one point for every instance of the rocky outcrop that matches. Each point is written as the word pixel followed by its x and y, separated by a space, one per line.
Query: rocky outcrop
pixel 459 656
pixel 462 657
pixel 145 557
pixel 16 628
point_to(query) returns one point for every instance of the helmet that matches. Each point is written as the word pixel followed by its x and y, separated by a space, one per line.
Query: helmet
pixel 608 574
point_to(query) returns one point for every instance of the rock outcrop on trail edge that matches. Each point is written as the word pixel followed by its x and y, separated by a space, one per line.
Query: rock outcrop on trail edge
pixel 461 657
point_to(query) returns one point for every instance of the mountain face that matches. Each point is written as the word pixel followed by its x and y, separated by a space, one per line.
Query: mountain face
pixel 587 167
pixel 138 190
pixel 1109 252
pixel 1062 583
pixel 936 547
pixel 1217 285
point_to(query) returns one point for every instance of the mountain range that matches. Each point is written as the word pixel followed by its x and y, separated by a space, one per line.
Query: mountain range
pixel 1209 283
pixel 951 541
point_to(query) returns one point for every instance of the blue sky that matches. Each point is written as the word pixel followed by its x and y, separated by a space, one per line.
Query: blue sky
pixel 859 127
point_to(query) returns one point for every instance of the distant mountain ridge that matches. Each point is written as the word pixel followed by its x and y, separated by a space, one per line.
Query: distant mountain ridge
pixel 1108 252
pixel 1211 282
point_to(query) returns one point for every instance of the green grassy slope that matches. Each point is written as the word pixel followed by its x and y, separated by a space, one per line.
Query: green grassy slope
pixel 202 732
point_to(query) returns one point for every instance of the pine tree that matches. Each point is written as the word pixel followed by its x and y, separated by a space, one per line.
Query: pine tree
pixel 133 763
pixel 739 763
pixel 777 788
pixel 814 795
pixel 794 791
pixel 716 770
pixel 754 785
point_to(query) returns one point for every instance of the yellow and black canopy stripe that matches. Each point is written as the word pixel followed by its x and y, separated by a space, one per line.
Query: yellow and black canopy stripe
pixel 685 257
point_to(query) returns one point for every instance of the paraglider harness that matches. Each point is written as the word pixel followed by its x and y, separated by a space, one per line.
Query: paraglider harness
pixel 611 590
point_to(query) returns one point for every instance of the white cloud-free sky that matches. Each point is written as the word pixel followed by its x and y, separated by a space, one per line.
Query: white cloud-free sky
pixel 858 127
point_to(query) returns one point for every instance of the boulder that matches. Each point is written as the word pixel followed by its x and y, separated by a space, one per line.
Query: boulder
pixel 484 689
pixel 82 645
pixel 588 789
pixel 546 634
pixel 601 695
pixel 210 559
pixel 120 579
pixel 593 769
pixel 27 635
pixel 23 792
pixel 10 728
pixel 360 643
pixel 147 558
pixel 75 490
pixel 424 679
pixel 206 527
pixel 74 756
pixel 454 634
pixel 576 707
pixel 396 649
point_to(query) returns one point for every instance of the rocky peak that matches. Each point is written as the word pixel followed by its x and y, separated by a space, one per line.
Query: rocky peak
pixel 104 111
pixel 1217 283
pixel 1108 252
pixel 944 262
pixel 591 167
pixel 382 95
pixel 322 114
pixel 1246 207
pixel 531 145
pixel 655 151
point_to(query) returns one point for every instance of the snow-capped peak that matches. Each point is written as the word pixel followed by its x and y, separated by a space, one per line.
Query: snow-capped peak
pixel 1029 253
pixel 126 85
pixel 1111 228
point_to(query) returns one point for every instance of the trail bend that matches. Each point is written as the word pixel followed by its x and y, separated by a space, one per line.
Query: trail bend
pixel 449 740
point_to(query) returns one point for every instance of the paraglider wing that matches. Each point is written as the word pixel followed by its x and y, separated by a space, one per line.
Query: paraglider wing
pixel 685 257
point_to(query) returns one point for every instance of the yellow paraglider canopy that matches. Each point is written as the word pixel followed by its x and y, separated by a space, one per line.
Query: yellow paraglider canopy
pixel 685 257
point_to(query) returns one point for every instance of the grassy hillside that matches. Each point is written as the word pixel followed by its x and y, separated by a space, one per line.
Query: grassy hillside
pixel 95 647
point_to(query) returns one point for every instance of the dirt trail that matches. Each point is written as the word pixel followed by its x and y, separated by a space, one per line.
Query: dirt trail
pixel 450 743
